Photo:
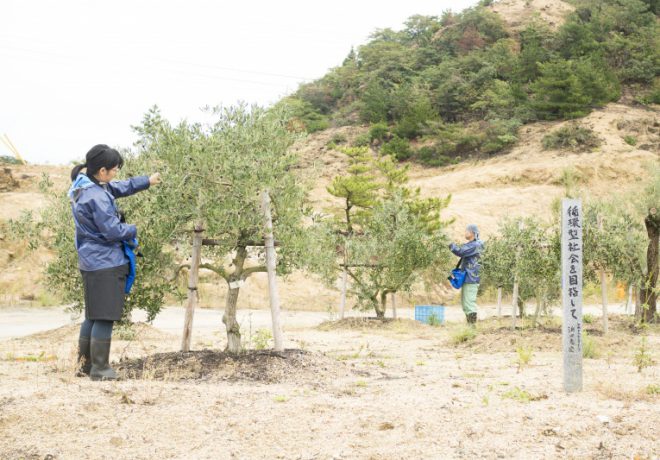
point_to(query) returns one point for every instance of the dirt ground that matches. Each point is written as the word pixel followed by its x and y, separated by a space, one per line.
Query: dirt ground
pixel 343 390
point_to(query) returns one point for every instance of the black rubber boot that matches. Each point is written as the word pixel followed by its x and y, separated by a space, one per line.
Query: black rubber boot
pixel 472 318
pixel 84 365
pixel 100 351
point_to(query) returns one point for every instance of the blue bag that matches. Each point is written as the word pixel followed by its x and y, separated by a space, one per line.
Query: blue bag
pixel 129 249
pixel 457 276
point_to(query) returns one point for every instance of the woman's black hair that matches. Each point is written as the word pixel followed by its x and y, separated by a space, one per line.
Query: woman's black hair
pixel 99 156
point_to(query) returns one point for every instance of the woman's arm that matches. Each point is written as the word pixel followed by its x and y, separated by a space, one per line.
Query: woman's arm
pixel 121 188
pixel 108 224
pixel 467 250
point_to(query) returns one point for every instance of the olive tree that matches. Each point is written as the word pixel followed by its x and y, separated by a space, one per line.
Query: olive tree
pixel 213 178
pixel 394 250
pixel 621 237
pixel 394 235
pixel 525 250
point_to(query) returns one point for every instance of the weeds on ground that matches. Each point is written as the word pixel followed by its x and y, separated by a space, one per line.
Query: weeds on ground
pixel 40 358
pixel 642 358
pixel 125 331
pixel 464 334
pixel 434 321
pixel 521 395
pixel 589 348
pixel 524 356
pixel 652 389
pixel 261 339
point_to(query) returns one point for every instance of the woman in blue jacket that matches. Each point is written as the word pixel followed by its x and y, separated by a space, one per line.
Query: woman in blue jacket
pixel 470 253
pixel 103 264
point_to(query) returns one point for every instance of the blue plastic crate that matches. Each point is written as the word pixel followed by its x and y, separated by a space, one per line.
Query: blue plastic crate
pixel 424 312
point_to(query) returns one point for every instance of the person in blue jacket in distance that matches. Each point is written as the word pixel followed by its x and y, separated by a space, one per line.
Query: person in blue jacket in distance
pixel 470 253
pixel 102 258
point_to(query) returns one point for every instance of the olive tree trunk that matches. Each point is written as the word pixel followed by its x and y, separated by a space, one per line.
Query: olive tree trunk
pixel 381 306
pixel 229 318
pixel 649 294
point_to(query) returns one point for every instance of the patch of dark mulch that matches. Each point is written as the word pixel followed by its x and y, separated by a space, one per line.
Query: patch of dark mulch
pixel 251 365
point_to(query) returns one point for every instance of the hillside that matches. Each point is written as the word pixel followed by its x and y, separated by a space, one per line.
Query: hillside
pixel 523 182
pixel 462 86
pixel 519 14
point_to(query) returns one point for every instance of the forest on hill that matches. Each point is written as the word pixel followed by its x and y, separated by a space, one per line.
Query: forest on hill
pixel 461 85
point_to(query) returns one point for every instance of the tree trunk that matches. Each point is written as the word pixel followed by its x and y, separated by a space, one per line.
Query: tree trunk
pixel 499 302
pixel 380 306
pixel 229 318
pixel 514 304
pixel 649 294
pixel 537 311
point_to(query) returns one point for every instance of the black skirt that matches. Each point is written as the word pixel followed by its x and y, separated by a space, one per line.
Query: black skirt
pixel 104 292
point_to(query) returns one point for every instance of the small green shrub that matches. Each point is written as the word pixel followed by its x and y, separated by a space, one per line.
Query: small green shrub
pixel 464 334
pixel 338 138
pixel 642 358
pixel 500 135
pixel 125 331
pixel 362 140
pixel 589 348
pixel 653 389
pixel 378 131
pixel 588 318
pixel 571 137
pixel 430 156
pixel 525 355
pixel 518 395
pixel 261 339
pixel 6 159
pixel 434 321
pixel 630 140
pixel 398 147
pixel 651 98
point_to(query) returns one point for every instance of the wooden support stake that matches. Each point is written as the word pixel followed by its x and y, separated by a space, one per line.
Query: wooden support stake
pixel 193 276
pixel 342 303
pixel 499 302
pixel 394 305
pixel 629 301
pixel 603 284
pixel 272 278
pixel 514 302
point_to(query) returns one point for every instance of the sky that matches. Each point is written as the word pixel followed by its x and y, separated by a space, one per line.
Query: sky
pixel 78 73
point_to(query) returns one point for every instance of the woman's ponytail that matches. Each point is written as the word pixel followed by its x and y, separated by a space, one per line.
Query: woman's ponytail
pixel 76 170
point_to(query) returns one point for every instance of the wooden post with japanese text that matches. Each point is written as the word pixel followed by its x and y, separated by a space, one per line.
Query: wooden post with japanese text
pixel 571 282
